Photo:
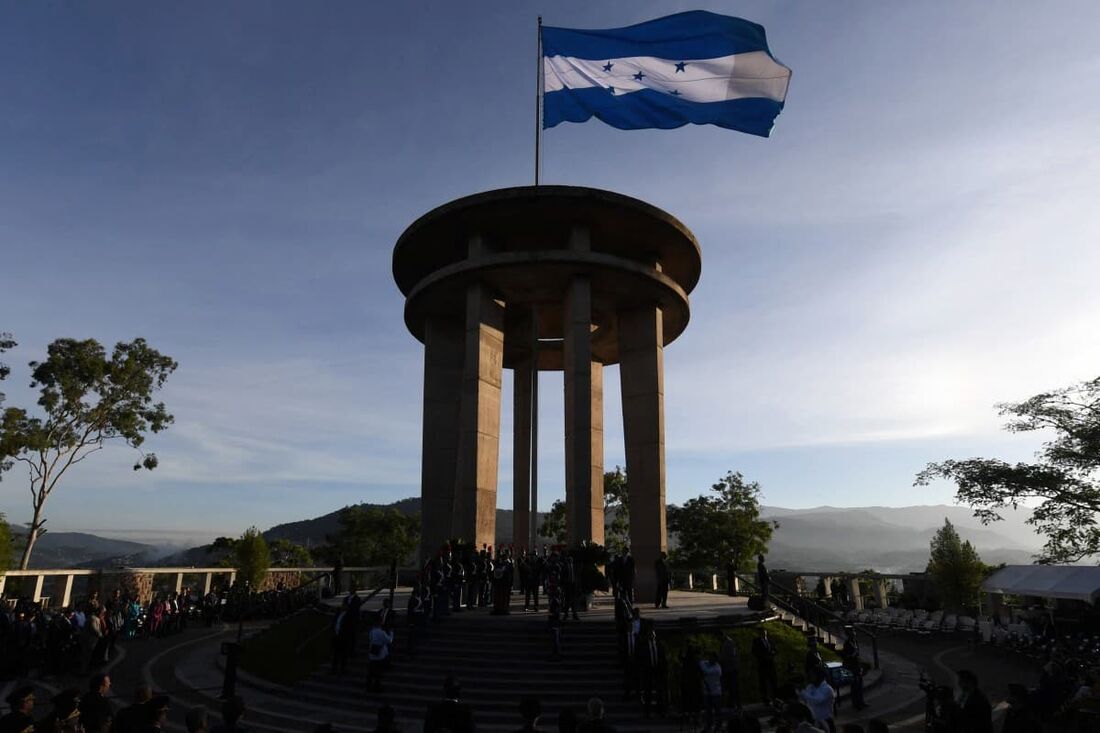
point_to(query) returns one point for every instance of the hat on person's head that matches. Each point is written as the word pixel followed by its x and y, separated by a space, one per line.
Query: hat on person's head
pixel 19 695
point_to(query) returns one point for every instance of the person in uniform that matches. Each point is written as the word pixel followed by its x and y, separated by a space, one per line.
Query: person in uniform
pixel 763 650
pixel 664 578
pixel 849 655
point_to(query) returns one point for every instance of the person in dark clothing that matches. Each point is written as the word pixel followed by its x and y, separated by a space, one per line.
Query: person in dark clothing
pixel 975 712
pixel 663 581
pixel 627 575
pixel 691 686
pixel 233 710
pixel 730 660
pixel 20 719
pixel 386 716
pixel 763 579
pixel 450 714
pixel 813 658
pixel 595 722
pixel 849 655
pixel 567 721
pixel 763 650
pixel 652 665
pixel 1020 718
pixel 131 719
pixel 94 708
pixel 529 710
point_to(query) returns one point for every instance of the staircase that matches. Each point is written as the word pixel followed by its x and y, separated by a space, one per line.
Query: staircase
pixel 498 660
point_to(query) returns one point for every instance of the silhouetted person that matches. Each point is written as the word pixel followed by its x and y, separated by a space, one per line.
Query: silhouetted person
pixel 594 723
pixel 691 685
pixel 156 713
pixel 529 710
pixel 664 578
pixel 386 716
pixel 652 673
pixel 94 708
pixel 197 720
pixel 20 719
pixel 763 580
pixel 1020 718
pixel 567 721
pixel 233 711
pixel 763 651
pixel 450 714
pixel 730 660
pixel 131 719
pixel 975 712
pixel 849 655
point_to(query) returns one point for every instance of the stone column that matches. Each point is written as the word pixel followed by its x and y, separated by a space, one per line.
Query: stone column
pixel 522 376
pixel 67 591
pixel 641 372
pixel 853 590
pixel 3 582
pixel 583 419
pixel 179 582
pixel 208 580
pixel 442 388
pixel 827 584
pixel 39 581
pixel 881 592
pixel 479 419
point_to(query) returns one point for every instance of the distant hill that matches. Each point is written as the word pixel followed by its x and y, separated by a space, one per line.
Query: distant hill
pixel 81 550
pixel 889 539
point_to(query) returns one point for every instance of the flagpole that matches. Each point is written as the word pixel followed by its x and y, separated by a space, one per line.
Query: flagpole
pixel 538 103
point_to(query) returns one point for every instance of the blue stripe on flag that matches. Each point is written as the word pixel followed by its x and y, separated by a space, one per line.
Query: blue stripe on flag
pixel 695 34
pixel 650 108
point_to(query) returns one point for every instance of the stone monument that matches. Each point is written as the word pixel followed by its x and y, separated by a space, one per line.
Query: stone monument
pixel 533 279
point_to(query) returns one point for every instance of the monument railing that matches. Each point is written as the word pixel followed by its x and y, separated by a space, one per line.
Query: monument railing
pixel 64 580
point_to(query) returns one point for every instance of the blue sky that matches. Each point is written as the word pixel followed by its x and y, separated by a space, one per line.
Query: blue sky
pixel 916 242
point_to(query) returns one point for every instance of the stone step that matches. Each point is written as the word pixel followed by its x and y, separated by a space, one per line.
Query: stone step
pixel 550 672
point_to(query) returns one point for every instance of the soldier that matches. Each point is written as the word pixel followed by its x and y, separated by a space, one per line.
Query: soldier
pixel 663 580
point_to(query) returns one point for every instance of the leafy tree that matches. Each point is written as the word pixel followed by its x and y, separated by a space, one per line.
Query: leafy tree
pixel 616 513
pixel 616 510
pixel 251 557
pixel 722 527
pixel 955 568
pixel 553 527
pixel 374 536
pixel 287 554
pixel 5 544
pixel 88 400
pixel 6 342
pixel 1064 480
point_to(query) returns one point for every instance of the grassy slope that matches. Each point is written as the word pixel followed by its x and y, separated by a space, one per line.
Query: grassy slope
pixel 291 649
pixel 790 645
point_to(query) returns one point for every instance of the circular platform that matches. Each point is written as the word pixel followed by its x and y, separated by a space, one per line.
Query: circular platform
pixel 526 251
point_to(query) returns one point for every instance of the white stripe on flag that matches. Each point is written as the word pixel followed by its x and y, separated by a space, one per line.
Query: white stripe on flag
pixel 741 75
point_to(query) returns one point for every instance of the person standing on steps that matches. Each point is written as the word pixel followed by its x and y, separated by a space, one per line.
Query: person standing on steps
pixel 664 578
pixel 378 654
pixel 763 580
pixel 763 650
pixel 450 714
pixel 813 658
pixel 730 660
pixel 849 655
pixel 628 573
pixel 652 674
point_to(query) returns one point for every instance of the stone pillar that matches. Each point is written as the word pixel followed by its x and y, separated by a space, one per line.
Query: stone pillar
pixel 853 590
pixel 641 372
pixel 827 584
pixel 522 375
pixel 881 590
pixel 39 581
pixel 442 388
pixel 179 582
pixel 208 580
pixel 475 501
pixel 3 582
pixel 67 592
pixel 583 420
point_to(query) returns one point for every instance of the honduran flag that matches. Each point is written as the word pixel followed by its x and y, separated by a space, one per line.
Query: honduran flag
pixel 697 67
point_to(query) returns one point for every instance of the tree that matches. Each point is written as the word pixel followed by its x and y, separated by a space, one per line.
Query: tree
pixel 374 536
pixel 1064 480
pixel 5 544
pixel 88 400
pixel 287 554
pixel 251 557
pixel 616 514
pixel 722 527
pixel 6 342
pixel 955 568
pixel 616 510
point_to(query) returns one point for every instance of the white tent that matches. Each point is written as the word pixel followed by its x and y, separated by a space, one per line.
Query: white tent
pixel 1078 582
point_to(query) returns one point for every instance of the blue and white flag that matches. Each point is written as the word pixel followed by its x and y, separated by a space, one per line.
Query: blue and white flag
pixel 696 67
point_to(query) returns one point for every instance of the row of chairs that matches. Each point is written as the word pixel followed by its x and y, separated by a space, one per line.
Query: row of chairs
pixel 918 620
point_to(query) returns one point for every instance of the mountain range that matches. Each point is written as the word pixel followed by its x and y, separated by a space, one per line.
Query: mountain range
pixel 888 539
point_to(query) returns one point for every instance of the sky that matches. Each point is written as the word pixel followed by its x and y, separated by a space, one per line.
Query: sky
pixel 915 243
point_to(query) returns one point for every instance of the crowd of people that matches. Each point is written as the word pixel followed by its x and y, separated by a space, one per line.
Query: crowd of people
pixel 84 636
